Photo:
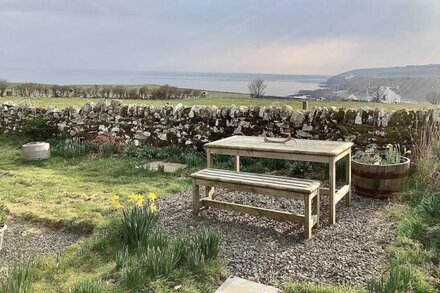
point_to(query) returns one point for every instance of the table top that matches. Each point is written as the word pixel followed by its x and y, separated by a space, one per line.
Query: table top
pixel 297 146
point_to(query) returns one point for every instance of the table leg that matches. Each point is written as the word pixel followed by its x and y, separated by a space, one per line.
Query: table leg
pixel 236 164
pixel 315 209
pixel 348 179
pixel 332 190
pixel 209 190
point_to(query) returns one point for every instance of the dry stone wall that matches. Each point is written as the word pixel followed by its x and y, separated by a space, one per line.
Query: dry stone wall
pixel 196 125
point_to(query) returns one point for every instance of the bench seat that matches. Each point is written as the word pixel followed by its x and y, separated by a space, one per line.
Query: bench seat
pixel 293 188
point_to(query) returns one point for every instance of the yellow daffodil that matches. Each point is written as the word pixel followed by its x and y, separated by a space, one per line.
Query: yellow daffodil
pixel 153 208
pixel 132 197
pixel 115 202
pixel 152 196
pixel 140 201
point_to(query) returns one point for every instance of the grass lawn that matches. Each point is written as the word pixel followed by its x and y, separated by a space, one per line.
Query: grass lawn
pixel 218 99
pixel 75 192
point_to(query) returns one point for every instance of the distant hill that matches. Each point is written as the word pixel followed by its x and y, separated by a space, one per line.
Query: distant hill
pixel 413 82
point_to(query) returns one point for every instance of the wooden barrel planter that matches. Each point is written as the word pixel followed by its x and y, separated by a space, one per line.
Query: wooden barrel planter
pixel 379 181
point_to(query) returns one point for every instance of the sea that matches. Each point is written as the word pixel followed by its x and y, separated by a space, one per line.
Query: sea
pixel 277 84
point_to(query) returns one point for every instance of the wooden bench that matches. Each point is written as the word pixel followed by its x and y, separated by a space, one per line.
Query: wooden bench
pixel 300 189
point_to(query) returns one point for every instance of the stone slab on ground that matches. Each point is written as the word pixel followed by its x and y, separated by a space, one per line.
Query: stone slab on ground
pixel 239 285
pixel 167 167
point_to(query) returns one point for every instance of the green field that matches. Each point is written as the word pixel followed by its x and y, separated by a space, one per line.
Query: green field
pixel 217 99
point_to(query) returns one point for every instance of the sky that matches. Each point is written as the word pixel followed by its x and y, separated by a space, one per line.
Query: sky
pixel 252 36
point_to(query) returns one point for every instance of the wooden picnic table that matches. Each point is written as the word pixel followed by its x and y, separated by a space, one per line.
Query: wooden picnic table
pixel 329 152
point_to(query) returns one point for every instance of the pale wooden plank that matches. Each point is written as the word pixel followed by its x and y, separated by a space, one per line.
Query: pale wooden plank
pixel 236 179
pixel 332 190
pixel 307 216
pixel 314 220
pixel 266 176
pixel 256 211
pixel 257 181
pixel 341 193
pixel 209 190
pixel 342 154
pixel 315 208
pixel 236 163
pixel 253 189
pixel 292 156
pixel 256 177
pixel 301 146
pixel 348 179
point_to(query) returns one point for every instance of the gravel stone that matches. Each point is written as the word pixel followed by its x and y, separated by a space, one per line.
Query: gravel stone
pixel 25 241
pixel 265 250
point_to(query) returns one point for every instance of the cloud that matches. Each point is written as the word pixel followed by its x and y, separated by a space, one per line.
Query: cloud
pixel 283 36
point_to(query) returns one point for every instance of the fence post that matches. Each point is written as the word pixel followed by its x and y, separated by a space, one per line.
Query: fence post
pixel 305 105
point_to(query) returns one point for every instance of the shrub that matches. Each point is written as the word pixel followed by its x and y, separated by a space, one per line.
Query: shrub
pixel 88 286
pixel 158 239
pixel 132 275
pixel 192 158
pixel 194 257
pixel 130 150
pixel 19 279
pixel 144 151
pixel 208 242
pixel 171 152
pixel 121 258
pixel 38 129
pixel 159 262
pixel 69 149
pixel 430 206
pixel 106 145
pixel 198 248
pixel 300 167
pixel 399 279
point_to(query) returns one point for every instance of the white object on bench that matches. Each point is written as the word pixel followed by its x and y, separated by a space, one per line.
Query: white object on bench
pixel 300 189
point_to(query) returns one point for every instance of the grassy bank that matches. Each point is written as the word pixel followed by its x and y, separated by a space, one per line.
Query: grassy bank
pixel 414 261
pixel 217 99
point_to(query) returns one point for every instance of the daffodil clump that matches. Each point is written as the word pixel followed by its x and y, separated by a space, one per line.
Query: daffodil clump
pixel 137 200
pixel 139 214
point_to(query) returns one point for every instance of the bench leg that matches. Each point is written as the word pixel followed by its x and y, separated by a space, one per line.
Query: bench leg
pixel 196 199
pixel 315 209
pixel 209 190
pixel 307 216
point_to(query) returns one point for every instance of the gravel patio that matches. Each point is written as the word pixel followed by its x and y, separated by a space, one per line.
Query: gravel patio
pixel 24 241
pixel 264 250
